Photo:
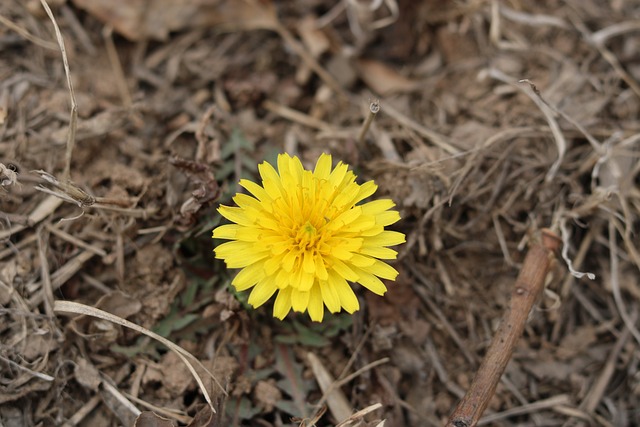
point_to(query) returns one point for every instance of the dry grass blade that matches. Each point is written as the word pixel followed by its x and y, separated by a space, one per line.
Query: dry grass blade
pixel 43 210
pixel 75 241
pixel 116 65
pixel 120 398
pixel 47 289
pixel 167 412
pixel 561 399
pixel 36 374
pixel 336 400
pixel 535 20
pixel 348 378
pixel 73 307
pixel 27 35
pixel 597 146
pixel 598 389
pixel 561 143
pixel 296 116
pixel 357 416
pixel 82 413
pixel 598 43
pixel 615 283
pixel 62 274
pixel 360 371
pixel 73 116
pixel 437 139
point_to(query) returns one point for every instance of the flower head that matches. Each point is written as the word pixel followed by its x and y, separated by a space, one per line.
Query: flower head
pixel 304 235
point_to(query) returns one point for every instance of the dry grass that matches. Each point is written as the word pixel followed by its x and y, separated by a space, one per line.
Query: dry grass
pixel 497 119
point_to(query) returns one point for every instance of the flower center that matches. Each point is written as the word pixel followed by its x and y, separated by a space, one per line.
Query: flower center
pixel 307 236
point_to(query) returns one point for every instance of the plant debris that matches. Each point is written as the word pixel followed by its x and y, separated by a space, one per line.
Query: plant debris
pixel 494 120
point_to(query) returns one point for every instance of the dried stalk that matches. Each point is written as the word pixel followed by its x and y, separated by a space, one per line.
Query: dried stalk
pixel 528 287
pixel 73 115
pixel 374 108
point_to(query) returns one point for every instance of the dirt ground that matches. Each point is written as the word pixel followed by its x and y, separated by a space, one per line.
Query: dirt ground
pixel 176 101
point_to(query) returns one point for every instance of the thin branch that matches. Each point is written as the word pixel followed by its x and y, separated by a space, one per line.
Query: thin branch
pixel 528 286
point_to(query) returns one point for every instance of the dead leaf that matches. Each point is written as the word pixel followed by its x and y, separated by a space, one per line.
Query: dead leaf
pixel 172 373
pixel 223 368
pixel 313 38
pixel 382 79
pixel 150 419
pixel 96 126
pixel 8 175
pixel 119 304
pixel 206 192
pixel 399 304
pixel 408 359
pixel 615 172
pixel 152 262
pixel 456 46
pixel 471 134
pixel 155 19
pixel 550 370
pixel 38 345
pixel 87 374
pixel 116 303
pixel 14 272
pixel 13 416
pixel 204 418
pixel 577 341
pixel 266 395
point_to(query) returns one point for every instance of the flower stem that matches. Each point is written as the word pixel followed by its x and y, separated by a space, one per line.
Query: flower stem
pixel 526 290
pixel 374 108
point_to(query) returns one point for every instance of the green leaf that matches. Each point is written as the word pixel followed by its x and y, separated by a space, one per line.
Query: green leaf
pixel 315 334
pixel 189 294
pixel 259 374
pixel 286 339
pixel 182 321
pixel 292 382
pixel 173 322
pixel 241 408
pixel 142 345
pixel 311 338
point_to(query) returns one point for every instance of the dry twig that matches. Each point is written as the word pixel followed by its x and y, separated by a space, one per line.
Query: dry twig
pixel 528 287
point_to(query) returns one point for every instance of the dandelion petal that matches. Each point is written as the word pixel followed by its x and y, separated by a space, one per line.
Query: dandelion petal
pixel 262 292
pixel 371 282
pixel 282 306
pixel 348 299
pixel 316 306
pixel 330 296
pixel 323 166
pixel 299 300
pixel 249 276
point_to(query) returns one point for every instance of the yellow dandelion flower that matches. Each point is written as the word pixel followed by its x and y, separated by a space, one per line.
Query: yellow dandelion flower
pixel 304 236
